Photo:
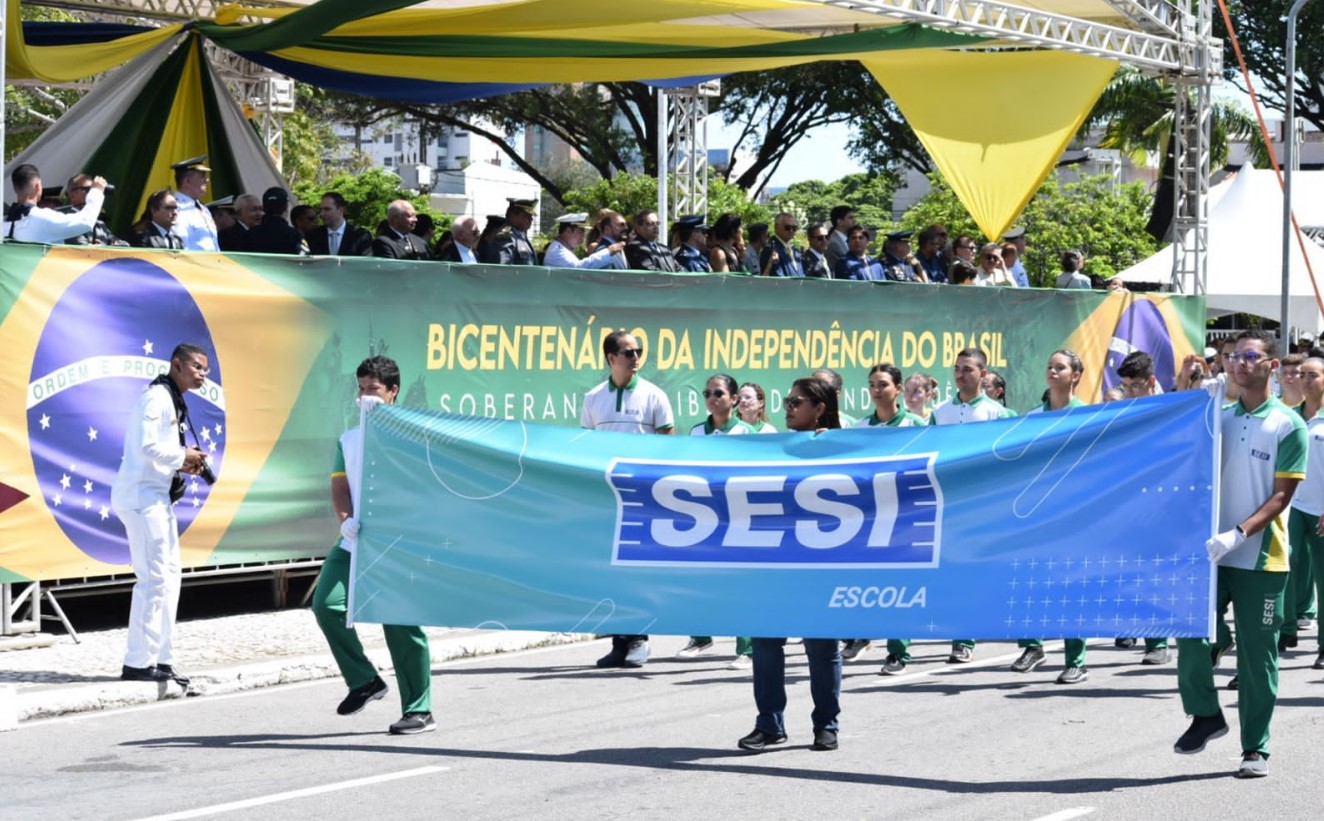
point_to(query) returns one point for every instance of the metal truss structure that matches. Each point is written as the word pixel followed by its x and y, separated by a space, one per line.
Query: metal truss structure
pixel 1170 40
pixel 688 154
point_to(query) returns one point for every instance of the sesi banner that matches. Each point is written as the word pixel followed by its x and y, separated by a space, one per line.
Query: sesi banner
pixel 1082 523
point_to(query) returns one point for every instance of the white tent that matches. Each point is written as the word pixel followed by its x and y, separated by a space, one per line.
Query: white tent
pixel 1245 248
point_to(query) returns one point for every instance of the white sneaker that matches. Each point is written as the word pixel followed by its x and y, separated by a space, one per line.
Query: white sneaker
pixel 741 663
pixel 693 649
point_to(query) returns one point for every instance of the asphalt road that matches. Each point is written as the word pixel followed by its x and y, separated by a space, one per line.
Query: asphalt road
pixel 540 732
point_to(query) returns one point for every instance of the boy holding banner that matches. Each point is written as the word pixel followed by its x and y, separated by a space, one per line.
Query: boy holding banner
pixel 379 381
pixel 1263 459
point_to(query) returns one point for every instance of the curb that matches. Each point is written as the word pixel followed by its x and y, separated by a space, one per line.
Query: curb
pixel 60 700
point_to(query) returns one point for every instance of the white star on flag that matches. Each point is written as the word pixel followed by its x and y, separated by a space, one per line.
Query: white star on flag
pixel 58 499
pixel 64 481
pixel 147 347
pixel 87 486
pixel 218 429
pixel 87 503
pixel 206 434
pixel 45 422
pixel 196 502
pixel 91 434
pixel 105 513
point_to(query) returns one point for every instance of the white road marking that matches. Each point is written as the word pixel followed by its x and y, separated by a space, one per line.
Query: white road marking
pixel 1066 815
pixel 216 809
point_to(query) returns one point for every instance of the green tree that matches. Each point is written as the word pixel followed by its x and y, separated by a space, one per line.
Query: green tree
pixel 31 107
pixel 1262 30
pixel 367 196
pixel 1104 221
pixel 628 193
pixel 309 141
pixel 813 200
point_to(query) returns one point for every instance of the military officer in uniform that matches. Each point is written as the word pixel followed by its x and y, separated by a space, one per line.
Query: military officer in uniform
pixel 195 225
pixel 692 255
pixel 512 246
pixel 857 264
pixel 899 264
pixel 645 253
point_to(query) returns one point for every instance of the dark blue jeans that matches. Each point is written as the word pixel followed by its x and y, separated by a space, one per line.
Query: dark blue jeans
pixel 770 682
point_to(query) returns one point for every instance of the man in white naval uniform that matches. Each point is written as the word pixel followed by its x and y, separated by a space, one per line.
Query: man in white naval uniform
pixel 194 223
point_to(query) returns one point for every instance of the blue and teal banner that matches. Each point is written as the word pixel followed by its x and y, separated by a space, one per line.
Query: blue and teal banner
pixel 1081 523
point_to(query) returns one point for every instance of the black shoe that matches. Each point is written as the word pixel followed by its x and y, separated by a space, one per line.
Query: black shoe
pixel 1319 662
pixel 1216 653
pixel 758 741
pixel 616 658
pixel 414 723
pixel 1232 683
pixel 636 653
pixel 359 697
pixel 152 673
pixel 1125 644
pixel 169 670
pixel 1203 729
pixel 1286 641
pixel 824 740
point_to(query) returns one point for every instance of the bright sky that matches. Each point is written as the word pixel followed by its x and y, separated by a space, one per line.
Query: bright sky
pixel 819 156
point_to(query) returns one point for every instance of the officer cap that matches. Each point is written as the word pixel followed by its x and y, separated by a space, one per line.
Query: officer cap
pixel 192 164
pixel 900 236
pixel 694 221
pixel 1014 233
pixel 578 218
pixel 527 206
pixel 223 202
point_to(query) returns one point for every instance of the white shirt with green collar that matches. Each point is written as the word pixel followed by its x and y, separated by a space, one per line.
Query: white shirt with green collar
pixel 1044 408
pixel 1309 496
pixel 902 419
pixel 734 426
pixel 1259 446
pixel 639 407
pixel 979 409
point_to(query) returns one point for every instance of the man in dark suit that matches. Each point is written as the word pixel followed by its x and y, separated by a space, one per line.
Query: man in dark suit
pixel 335 236
pixel 274 235
pixel 645 253
pixel 512 246
pixel 397 241
pixel 464 232
pixel 247 216
pixel 162 211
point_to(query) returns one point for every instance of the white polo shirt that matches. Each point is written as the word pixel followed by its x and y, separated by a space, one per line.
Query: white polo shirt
pixel 1258 446
pixel 1309 496
pixel 152 452
pixel 733 427
pixel 979 409
pixel 349 463
pixel 639 407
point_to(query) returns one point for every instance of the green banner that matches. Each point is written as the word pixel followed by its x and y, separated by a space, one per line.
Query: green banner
pixel 84 328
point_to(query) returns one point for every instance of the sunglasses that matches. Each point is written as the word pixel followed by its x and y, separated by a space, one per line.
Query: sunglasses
pixel 1249 357
pixel 992 257
pixel 633 353
pixel 711 394
pixel 793 402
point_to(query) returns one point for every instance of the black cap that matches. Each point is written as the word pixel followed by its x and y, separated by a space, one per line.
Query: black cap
pixel 899 236
pixel 694 221
pixel 527 206
pixel 275 196
pixel 1015 232
pixel 197 163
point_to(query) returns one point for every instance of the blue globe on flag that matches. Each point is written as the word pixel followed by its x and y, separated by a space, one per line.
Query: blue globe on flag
pixel 110 333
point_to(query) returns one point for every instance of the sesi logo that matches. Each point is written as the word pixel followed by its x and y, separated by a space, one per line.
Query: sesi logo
pixel 876 512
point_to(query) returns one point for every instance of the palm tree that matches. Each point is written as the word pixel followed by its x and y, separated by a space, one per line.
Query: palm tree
pixel 1134 115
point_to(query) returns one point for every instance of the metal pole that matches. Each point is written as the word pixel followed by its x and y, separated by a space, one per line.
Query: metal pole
pixel 1289 149
pixel 4 51
pixel 663 160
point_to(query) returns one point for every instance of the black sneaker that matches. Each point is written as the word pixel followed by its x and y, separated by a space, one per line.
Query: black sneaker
pixel 359 697
pixel 758 741
pixel 854 647
pixel 1253 765
pixel 153 673
pixel 892 666
pixel 1159 655
pixel 1286 641
pixel 1073 675
pixel 1319 662
pixel 1232 683
pixel 824 740
pixel 414 723
pixel 1125 644
pixel 1030 659
pixel 1203 729
pixel 1216 653
pixel 961 655
pixel 636 653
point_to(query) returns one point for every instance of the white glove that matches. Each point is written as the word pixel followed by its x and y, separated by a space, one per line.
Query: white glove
pixel 366 403
pixel 350 529
pixel 1224 543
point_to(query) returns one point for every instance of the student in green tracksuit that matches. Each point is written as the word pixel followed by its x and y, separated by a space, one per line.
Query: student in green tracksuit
pixel 379 380
pixel 1264 449
pixel 889 411
pixel 721 395
pixel 1304 524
